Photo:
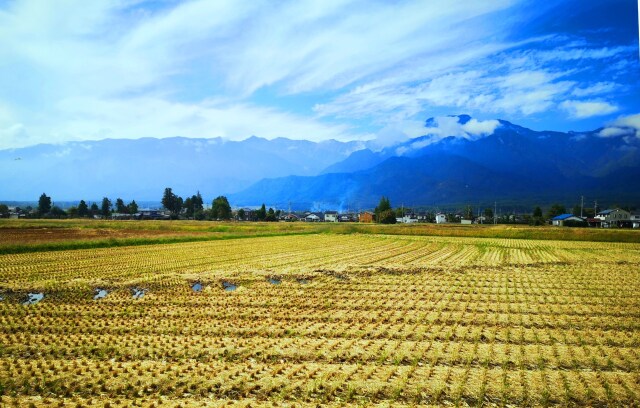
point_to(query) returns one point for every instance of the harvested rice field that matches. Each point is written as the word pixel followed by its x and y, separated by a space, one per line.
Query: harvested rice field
pixel 323 319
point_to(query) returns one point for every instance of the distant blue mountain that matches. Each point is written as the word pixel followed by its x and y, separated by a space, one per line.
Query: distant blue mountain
pixel 513 164
pixel 140 169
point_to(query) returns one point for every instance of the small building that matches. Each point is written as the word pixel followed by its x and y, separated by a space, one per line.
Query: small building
pixel 441 218
pixel 409 219
pixel 594 222
pixel 331 216
pixel 313 217
pixel 466 221
pixel 149 214
pixel 563 219
pixel 634 217
pixel 348 217
pixel 290 217
pixel 365 217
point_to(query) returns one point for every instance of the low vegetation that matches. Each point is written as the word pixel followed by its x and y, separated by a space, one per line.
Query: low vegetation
pixel 354 319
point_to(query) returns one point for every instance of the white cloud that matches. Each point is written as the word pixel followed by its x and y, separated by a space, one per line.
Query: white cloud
pixel 613 132
pixel 631 121
pixel 450 126
pixel 587 109
pixel 156 117
pixel 598 88
pixel 623 126
pixel 73 69
pixel 475 127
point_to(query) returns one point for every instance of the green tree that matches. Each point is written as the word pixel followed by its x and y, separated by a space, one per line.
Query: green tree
pixel 220 208
pixel 132 207
pixel 383 205
pixel 105 209
pixel 44 204
pixel 57 212
pixel 536 218
pixel 4 211
pixel 188 206
pixel 241 214
pixel 468 212
pixel 261 214
pixel 271 215
pixel 120 207
pixel 72 212
pixel 83 209
pixel 537 212
pixel 198 204
pixel 488 213
pixel 172 202
pixel 94 209
pixel 555 210
pixel 387 217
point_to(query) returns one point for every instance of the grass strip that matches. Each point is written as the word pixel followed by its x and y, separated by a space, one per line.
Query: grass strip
pixel 123 242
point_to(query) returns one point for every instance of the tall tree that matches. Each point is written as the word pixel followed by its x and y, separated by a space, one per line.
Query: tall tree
pixel 537 212
pixel 4 211
pixel 188 206
pixel 220 208
pixel 383 205
pixel 171 202
pixel 488 213
pixel 120 207
pixel 94 209
pixel 198 204
pixel 468 212
pixel 83 209
pixel 271 215
pixel 44 204
pixel 132 207
pixel 105 209
pixel 241 214
pixel 261 214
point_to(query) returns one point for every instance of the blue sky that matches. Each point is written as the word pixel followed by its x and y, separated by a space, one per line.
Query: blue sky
pixel 81 70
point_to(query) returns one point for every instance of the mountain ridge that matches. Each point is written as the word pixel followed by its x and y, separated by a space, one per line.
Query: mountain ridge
pixel 512 163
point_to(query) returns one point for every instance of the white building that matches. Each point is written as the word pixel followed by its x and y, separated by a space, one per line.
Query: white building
pixel 331 216
pixel 441 218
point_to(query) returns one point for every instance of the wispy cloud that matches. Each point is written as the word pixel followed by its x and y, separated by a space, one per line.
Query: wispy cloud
pixel 73 69
pixel 587 109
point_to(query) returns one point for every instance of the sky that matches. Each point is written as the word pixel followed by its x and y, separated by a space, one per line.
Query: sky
pixel 75 70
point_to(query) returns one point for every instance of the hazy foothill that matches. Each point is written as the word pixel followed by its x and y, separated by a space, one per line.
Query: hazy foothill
pixel 310 204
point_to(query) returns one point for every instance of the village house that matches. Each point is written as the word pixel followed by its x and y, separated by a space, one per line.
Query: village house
pixel 561 219
pixel 634 217
pixel 331 216
pixel 408 219
pixel 365 216
pixel 348 217
pixel 441 218
pixel 614 217
pixel 313 217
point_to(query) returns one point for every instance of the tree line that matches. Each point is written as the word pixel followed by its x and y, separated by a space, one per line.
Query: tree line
pixel 193 208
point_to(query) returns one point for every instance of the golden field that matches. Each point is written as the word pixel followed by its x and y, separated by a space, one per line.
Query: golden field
pixel 358 318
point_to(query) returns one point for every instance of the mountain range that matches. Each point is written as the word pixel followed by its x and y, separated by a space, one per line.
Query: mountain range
pixel 514 165
pixel 140 169
pixel 511 164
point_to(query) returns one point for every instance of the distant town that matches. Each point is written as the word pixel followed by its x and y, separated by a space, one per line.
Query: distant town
pixel 174 207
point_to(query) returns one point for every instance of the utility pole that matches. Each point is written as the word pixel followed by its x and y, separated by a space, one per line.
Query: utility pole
pixel 581 205
pixel 495 212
